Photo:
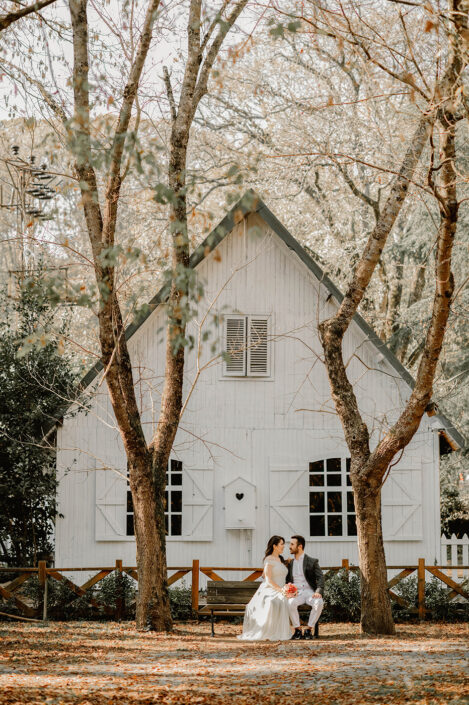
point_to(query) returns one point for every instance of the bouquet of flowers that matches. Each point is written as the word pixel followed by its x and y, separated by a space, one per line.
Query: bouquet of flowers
pixel 289 590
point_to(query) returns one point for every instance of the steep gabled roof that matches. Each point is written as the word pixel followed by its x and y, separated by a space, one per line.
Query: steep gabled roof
pixel 252 203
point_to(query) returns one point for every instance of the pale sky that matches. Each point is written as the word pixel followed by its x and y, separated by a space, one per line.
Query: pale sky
pixel 51 62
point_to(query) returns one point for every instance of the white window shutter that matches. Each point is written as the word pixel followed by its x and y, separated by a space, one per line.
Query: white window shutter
pixel 289 500
pixel 401 505
pixel 111 509
pixel 258 347
pixel 235 346
pixel 197 505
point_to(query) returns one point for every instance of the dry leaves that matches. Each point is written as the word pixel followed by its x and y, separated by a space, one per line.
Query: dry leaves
pixel 91 663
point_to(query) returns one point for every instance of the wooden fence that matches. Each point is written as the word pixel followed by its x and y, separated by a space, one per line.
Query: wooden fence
pixel 9 591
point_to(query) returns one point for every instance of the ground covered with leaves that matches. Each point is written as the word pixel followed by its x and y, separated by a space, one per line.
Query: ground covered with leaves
pixel 108 663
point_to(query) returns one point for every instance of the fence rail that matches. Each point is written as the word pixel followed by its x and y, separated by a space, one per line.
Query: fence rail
pixel 9 590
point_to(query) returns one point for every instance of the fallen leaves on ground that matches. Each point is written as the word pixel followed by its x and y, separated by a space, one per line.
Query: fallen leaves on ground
pixel 95 663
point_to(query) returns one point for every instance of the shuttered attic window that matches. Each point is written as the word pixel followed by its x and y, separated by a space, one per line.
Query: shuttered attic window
pixel 235 339
pixel 247 346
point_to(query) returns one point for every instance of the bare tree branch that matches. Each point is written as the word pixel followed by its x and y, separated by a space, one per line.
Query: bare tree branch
pixel 169 93
pixel 11 17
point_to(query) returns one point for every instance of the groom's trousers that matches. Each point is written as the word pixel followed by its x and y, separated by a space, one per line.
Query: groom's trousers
pixel 305 597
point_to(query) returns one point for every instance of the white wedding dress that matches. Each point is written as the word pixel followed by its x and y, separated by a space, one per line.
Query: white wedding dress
pixel 267 616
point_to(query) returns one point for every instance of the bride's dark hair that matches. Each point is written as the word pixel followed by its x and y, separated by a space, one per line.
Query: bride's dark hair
pixel 273 541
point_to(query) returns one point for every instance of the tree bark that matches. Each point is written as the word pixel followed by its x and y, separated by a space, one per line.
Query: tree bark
pixel 375 601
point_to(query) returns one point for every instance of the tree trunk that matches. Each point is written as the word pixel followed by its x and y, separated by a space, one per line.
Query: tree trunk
pixel 148 488
pixel 153 609
pixel 153 602
pixel 376 615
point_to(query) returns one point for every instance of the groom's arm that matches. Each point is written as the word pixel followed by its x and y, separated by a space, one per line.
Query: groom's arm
pixel 318 574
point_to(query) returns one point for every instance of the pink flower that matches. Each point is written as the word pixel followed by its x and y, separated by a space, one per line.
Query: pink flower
pixel 289 590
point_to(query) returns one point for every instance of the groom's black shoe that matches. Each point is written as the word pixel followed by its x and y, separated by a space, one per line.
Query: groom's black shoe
pixel 307 634
pixel 297 634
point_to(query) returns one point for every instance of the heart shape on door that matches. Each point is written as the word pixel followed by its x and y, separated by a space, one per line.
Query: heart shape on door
pixel 239 495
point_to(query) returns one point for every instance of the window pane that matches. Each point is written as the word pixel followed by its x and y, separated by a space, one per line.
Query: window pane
pixel 334 480
pixel 349 481
pixel 130 506
pixel 176 501
pixel 347 464
pixel 350 502
pixel 334 502
pixel 334 465
pixel 130 525
pixel 351 525
pixel 334 524
pixel 176 523
pixel 316 480
pixel 317 526
pixel 167 479
pixel 176 478
pixel 318 466
pixel 166 524
pixel 166 501
pixel 176 466
pixel 316 502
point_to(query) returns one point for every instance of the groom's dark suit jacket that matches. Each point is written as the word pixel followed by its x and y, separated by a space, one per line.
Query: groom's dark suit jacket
pixel 312 571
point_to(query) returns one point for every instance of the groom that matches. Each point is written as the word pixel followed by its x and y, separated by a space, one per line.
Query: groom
pixel 305 573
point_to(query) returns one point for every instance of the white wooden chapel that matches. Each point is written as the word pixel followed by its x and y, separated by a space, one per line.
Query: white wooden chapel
pixel 260 450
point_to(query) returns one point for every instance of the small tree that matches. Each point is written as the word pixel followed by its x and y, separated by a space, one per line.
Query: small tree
pixel 33 380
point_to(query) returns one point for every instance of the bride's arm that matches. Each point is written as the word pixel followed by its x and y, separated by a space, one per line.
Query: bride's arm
pixel 268 577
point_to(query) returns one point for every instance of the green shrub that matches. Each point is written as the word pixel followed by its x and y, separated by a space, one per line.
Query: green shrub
pixel 342 597
pixel 436 601
pixel 180 599
pixel 114 586
pixel 62 602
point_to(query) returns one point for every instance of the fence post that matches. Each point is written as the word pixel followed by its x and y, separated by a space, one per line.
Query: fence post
pixel 345 566
pixel 119 591
pixel 195 585
pixel 421 588
pixel 42 577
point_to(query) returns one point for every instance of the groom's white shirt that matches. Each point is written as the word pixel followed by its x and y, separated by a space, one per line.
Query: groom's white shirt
pixel 298 574
pixel 304 596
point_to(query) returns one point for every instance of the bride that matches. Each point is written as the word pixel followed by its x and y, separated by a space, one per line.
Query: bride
pixel 267 615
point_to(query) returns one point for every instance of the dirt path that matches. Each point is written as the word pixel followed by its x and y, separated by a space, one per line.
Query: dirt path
pixel 91 663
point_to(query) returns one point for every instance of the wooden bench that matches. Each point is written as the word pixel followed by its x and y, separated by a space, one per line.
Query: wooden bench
pixel 228 598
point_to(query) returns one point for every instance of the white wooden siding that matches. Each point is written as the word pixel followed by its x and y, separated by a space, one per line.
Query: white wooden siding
pixel 250 427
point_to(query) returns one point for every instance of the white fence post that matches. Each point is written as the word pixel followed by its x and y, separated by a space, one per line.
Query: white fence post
pixel 455 552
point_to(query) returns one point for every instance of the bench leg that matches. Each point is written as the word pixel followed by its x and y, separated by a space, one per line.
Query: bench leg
pixel 316 630
pixel 212 623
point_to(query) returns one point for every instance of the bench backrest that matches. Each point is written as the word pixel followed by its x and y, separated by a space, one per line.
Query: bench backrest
pixel 227 592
